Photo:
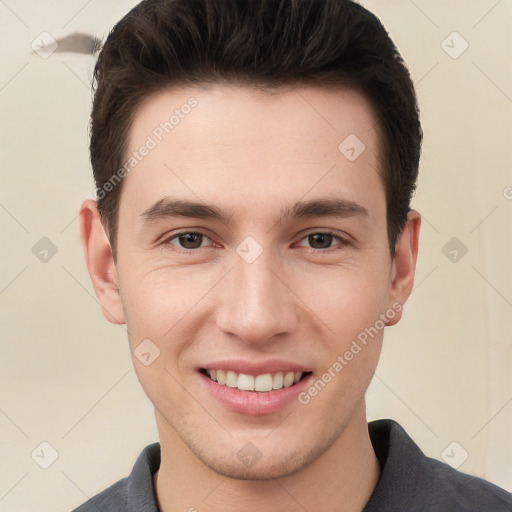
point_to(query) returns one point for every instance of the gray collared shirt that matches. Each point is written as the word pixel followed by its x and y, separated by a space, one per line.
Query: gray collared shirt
pixel 409 481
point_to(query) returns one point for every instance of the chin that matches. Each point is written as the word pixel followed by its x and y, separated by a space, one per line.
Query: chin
pixel 250 464
pixel 260 471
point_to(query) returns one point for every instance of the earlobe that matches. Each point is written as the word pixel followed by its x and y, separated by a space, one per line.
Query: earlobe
pixel 100 262
pixel 404 264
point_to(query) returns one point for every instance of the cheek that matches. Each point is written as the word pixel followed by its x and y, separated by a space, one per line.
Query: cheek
pixel 345 299
pixel 159 307
pixel 158 303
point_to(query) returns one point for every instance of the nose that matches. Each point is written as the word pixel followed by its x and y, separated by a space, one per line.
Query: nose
pixel 257 303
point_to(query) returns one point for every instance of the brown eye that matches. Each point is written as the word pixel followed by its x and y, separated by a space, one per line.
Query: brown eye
pixel 187 240
pixel 320 240
pixel 323 241
pixel 190 240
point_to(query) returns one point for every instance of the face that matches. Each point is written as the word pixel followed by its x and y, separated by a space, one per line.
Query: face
pixel 270 279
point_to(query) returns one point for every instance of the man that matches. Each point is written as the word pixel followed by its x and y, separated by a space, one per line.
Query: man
pixel 254 163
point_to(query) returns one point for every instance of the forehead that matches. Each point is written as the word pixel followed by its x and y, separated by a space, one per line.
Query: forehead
pixel 245 145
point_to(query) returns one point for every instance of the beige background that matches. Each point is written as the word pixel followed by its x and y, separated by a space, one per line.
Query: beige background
pixel 66 376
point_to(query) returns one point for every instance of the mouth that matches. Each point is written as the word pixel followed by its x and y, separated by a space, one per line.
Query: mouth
pixel 262 383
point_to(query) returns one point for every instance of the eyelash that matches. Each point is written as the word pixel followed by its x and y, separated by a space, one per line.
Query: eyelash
pixel 342 241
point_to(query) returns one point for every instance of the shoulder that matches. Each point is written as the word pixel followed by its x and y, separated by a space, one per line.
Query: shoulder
pixel 410 481
pixel 466 492
pixel 133 493
pixel 112 499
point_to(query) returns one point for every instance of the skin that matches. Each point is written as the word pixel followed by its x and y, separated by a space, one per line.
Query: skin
pixel 252 154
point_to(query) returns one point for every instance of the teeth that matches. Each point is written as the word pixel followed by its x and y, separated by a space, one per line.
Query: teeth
pixel 221 377
pixel 261 383
pixel 246 382
pixel 277 381
pixel 288 379
pixel 231 379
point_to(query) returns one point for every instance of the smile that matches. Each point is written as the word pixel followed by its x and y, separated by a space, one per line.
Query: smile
pixel 258 383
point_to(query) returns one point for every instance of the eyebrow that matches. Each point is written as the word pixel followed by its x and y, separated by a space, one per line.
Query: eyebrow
pixel 167 207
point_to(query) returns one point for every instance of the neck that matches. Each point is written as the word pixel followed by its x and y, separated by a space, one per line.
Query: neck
pixel 341 479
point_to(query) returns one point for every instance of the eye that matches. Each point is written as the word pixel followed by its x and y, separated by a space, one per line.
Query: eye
pixel 188 240
pixel 323 240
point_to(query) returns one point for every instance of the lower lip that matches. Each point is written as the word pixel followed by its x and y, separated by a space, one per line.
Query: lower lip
pixel 255 403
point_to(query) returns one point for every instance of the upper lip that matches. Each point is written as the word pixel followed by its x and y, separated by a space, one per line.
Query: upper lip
pixel 256 368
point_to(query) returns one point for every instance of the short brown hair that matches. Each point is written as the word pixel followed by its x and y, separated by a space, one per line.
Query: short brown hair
pixel 267 43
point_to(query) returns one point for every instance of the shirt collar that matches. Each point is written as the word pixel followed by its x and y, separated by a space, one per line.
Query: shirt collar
pixel 141 492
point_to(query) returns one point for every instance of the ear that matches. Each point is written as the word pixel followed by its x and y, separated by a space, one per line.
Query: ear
pixel 403 266
pixel 100 262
